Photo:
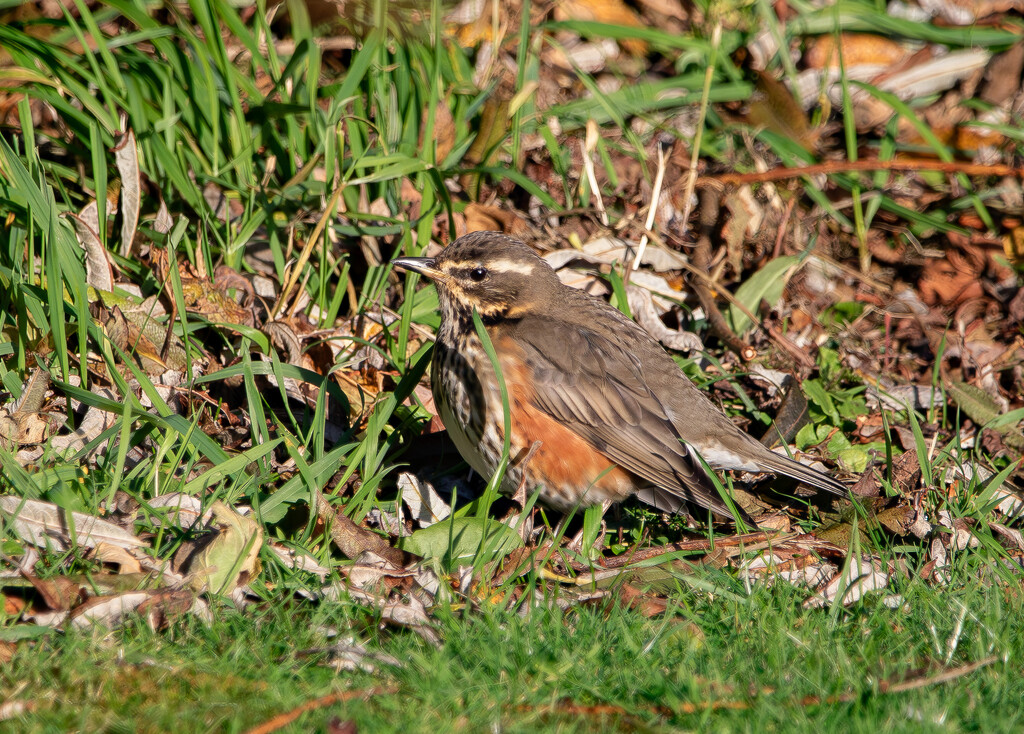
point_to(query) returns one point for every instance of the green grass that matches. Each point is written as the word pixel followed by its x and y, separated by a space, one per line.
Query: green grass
pixel 723 663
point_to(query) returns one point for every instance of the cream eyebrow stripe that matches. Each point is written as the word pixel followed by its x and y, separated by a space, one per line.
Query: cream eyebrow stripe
pixel 508 266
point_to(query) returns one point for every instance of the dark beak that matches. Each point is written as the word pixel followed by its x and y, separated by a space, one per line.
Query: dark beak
pixel 421 265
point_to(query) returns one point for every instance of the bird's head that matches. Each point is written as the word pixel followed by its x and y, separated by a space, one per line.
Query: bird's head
pixel 498 276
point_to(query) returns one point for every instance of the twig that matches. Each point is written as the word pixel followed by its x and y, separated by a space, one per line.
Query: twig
pixel 942 677
pixel 913 164
pixel 588 146
pixel 781 235
pixel 687 545
pixel 799 355
pixel 652 211
pixel 282 720
pixel 709 204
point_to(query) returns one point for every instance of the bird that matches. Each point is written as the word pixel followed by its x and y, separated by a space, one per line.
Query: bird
pixel 598 410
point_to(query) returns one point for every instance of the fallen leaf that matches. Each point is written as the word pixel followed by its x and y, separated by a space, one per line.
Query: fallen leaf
pixel 614 12
pixel 424 503
pixel 855 49
pixel 45 524
pixel 126 156
pixel 106 610
pixel 863 574
pixel 231 558
pixel 117 555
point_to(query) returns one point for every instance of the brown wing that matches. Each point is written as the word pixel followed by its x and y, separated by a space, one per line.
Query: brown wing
pixel 593 384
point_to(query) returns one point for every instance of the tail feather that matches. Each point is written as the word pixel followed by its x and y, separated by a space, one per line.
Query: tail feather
pixel 784 465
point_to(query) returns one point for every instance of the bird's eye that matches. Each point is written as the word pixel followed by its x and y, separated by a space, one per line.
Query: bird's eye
pixel 477 274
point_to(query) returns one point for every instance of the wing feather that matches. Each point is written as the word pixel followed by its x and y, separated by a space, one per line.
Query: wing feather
pixel 594 385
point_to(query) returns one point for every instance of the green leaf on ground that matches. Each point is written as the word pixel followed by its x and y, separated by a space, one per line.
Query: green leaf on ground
pixel 766 284
pixel 461 539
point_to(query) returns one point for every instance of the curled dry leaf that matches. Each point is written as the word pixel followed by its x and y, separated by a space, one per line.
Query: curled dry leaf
pixel 424 503
pixel 163 221
pixel 163 607
pixel 93 423
pixel 98 272
pixel 1010 502
pixel 862 574
pixel 1013 536
pixel 298 560
pixel 126 562
pixel 126 156
pixel 444 130
pixel 216 301
pixel 937 566
pixel 33 393
pixel 886 249
pixel 961 536
pixel 774 108
pixel 584 56
pixel 646 604
pixel 348 655
pixel 968 12
pixel 23 421
pixel 797 570
pixel 351 539
pixel 28 429
pixel 614 250
pixel 411 612
pixel 951 281
pixel 58 593
pixel 108 611
pixel 641 303
pixel 412 615
pixel 179 510
pixel 932 75
pixel 488 218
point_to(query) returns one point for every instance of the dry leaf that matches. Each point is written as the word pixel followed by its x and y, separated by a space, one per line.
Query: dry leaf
pixel 93 423
pixel 641 303
pixel 180 510
pixel 863 574
pixel 858 49
pixel 98 271
pixel 613 12
pixel 775 108
pixel 106 610
pixel 1013 246
pixel 58 593
pixel 115 554
pixel 163 607
pixel 126 156
pixel 968 12
pixel 45 524
pixel 298 560
pixel 231 558
pixel 425 504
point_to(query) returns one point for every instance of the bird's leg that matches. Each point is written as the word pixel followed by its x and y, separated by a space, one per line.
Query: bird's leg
pixel 525 525
pixel 520 494
pixel 577 540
